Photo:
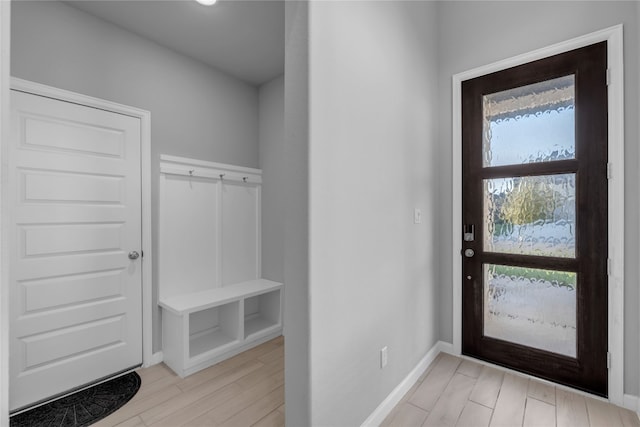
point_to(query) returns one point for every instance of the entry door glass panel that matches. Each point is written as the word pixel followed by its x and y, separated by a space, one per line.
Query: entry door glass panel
pixel 530 124
pixel 531 306
pixel 531 215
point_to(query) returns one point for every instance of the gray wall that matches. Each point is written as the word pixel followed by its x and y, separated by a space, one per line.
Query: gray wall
pixel 196 111
pixel 473 34
pixel 373 106
pixel 296 215
pixel 272 165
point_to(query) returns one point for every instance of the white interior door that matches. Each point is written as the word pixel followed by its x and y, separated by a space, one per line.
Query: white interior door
pixel 75 201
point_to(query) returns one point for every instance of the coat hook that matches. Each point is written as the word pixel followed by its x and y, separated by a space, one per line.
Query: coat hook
pixel 221 176
pixel 244 178
pixel 191 171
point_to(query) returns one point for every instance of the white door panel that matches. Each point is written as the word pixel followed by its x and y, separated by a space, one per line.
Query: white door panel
pixel 75 200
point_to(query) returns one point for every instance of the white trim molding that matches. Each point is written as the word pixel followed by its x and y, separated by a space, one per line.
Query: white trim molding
pixel 632 403
pixel 384 409
pixel 145 146
pixel 613 37
pixel 5 87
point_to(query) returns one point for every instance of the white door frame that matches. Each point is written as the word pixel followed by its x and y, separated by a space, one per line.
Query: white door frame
pixel 5 48
pixel 145 159
pixel 613 37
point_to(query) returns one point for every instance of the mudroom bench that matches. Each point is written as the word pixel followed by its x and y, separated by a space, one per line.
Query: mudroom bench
pixel 214 302
pixel 203 328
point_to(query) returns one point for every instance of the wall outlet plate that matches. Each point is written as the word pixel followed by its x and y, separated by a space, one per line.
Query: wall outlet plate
pixel 417 216
pixel 384 358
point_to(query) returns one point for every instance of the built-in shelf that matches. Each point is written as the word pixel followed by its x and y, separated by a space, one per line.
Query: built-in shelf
pixel 203 328
pixel 261 313
pixel 209 340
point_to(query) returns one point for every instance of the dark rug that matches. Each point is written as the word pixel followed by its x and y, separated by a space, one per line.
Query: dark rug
pixel 84 407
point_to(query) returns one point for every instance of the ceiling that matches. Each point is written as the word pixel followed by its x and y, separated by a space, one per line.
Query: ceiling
pixel 242 38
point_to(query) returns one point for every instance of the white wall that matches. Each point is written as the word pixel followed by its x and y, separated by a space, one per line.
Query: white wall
pixel 196 111
pixel 372 159
pixel 296 216
pixel 271 113
pixel 477 33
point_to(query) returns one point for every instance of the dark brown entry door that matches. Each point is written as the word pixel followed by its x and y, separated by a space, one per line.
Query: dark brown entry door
pixel 534 282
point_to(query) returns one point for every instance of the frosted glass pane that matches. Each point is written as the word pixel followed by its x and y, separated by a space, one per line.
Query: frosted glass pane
pixel 531 215
pixel 532 307
pixel 530 124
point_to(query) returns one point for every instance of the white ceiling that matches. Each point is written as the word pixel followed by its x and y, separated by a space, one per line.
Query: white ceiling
pixel 239 37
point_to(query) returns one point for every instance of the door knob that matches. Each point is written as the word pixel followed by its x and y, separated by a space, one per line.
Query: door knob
pixel 134 255
pixel 469 253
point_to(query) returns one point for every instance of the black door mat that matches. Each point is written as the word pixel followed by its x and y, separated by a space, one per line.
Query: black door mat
pixel 84 407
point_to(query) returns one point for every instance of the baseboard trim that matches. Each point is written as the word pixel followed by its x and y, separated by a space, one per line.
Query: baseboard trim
pixel 631 402
pixel 384 409
pixel 154 360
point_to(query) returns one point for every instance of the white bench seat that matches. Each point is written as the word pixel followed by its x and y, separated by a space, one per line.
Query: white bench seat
pixel 198 301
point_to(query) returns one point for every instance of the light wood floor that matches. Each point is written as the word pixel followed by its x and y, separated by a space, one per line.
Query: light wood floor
pixel 456 392
pixel 246 390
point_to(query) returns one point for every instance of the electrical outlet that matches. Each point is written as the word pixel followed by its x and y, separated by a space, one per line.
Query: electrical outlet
pixel 384 358
pixel 417 216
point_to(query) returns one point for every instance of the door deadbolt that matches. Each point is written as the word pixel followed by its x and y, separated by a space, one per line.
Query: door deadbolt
pixel 469 233
pixel 469 253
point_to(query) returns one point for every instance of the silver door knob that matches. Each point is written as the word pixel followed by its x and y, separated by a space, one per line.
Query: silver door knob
pixel 134 255
pixel 469 253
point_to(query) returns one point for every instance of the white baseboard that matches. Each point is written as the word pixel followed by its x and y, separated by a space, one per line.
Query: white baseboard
pixel 631 402
pixel 446 347
pixel 154 360
pixel 387 405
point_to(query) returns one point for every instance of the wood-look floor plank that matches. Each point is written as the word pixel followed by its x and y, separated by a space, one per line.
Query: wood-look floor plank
pixel 274 355
pixel 542 391
pixel 154 373
pixel 194 394
pixel 135 406
pixel 509 410
pixel 448 408
pixel 239 403
pixel 272 419
pixel 474 415
pixel 406 415
pixel 429 368
pixel 602 414
pixel 229 364
pixel 131 422
pixel 431 388
pixel 539 414
pixel 571 409
pixel 180 412
pixel 257 410
pixel 470 368
pixel 160 384
pixel 256 377
pixel 629 418
pixel 487 387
